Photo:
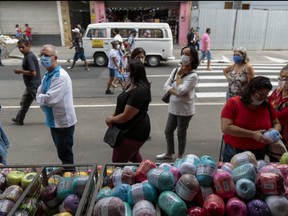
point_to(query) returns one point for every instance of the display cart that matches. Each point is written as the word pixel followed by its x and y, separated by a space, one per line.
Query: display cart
pixel 50 171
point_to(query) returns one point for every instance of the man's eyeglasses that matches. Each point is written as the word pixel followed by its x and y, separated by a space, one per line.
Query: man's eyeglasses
pixel 261 95
pixel 283 78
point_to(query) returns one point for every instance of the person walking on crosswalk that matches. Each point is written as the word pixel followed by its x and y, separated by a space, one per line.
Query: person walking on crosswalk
pixel 239 73
pixel 205 48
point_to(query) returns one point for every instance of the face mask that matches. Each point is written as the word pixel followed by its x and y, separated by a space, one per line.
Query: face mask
pixel 185 60
pixel 46 61
pixel 118 46
pixel 281 83
pixel 238 59
pixel 256 102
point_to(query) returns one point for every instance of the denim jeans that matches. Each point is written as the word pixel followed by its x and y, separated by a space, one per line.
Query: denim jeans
pixel 63 140
pixel 230 151
pixel 181 123
pixel 28 97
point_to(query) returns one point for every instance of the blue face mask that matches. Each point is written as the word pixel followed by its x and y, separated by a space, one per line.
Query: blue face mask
pixel 238 59
pixel 46 61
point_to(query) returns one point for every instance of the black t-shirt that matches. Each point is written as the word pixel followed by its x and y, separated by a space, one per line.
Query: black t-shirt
pixel 30 63
pixel 139 97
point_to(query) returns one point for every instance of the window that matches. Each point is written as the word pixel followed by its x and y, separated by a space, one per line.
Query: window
pixel 97 33
pixel 123 32
pixel 150 33
pixel 245 6
pixel 228 5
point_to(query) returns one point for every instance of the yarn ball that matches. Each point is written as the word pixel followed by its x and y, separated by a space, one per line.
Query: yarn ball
pixel 172 204
pixel 273 135
pixel 248 171
pixel 202 194
pixel 235 206
pixel 227 167
pixel 243 158
pixel 12 193
pixel 189 164
pixel 195 211
pixel 143 169
pixel 270 183
pixel 71 203
pixel 131 168
pixel 64 188
pixel 224 184
pixel 142 191
pixel 6 206
pixel 176 173
pixel 121 176
pixel 144 208
pixel 260 164
pixel 121 191
pixel 187 187
pixel 278 205
pixel 104 192
pixel 214 205
pixel 284 158
pixel 49 196
pixel 165 166
pixel 128 210
pixel 283 169
pixel 205 171
pixel 257 207
pixel 270 168
pixel 178 162
pixel 245 189
pixel 78 185
pixel 161 179
pixel 109 206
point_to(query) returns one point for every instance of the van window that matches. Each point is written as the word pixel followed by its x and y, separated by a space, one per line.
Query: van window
pixel 97 33
pixel 150 33
pixel 124 32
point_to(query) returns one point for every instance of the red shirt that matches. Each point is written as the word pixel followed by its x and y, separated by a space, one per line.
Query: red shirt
pixel 250 119
pixel 28 31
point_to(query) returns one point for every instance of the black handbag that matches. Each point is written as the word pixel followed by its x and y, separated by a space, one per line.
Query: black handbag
pixel 166 97
pixel 112 136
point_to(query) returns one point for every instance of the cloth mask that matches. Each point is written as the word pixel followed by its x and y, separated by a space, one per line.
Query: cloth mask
pixel 256 102
pixel 238 59
pixel 185 60
pixel 281 83
pixel 46 61
pixel 118 46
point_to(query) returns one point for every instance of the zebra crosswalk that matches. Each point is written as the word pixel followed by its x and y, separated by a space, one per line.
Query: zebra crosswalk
pixel 213 84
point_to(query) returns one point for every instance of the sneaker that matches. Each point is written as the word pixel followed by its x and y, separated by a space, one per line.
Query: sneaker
pixel 109 92
pixel 87 69
pixel 164 156
pixel 114 85
pixel 69 68
pixel 17 122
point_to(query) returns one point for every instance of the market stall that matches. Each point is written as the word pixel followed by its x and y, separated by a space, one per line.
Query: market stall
pixel 10 45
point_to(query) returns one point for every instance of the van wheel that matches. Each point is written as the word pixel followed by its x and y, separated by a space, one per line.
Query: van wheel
pixel 153 61
pixel 100 60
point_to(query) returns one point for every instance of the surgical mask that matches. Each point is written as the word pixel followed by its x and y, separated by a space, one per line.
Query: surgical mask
pixel 281 83
pixel 238 59
pixel 118 46
pixel 185 60
pixel 256 102
pixel 46 61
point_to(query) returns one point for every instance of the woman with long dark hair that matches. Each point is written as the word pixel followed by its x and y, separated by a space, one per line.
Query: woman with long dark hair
pixel 245 118
pixel 131 113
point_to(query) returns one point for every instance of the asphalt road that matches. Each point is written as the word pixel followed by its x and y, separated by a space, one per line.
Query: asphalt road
pixel 32 142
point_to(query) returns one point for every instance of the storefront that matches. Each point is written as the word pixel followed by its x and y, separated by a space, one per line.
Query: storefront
pixel 176 14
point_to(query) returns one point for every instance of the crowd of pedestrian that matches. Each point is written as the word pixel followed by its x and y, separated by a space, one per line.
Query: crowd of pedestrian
pixel 249 110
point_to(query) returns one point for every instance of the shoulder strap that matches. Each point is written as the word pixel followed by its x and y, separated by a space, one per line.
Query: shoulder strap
pixel 175 71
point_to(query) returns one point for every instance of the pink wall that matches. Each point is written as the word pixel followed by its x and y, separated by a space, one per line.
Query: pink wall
pixel 100 13
pixel 184 22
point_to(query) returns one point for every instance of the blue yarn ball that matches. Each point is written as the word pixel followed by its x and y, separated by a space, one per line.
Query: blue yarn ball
pixel 172 204
pixel 142 191
pixel 121 191
pixel 161 179
pixel 245 189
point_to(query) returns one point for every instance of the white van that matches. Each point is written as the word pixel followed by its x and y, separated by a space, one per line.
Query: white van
pixel 158 45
